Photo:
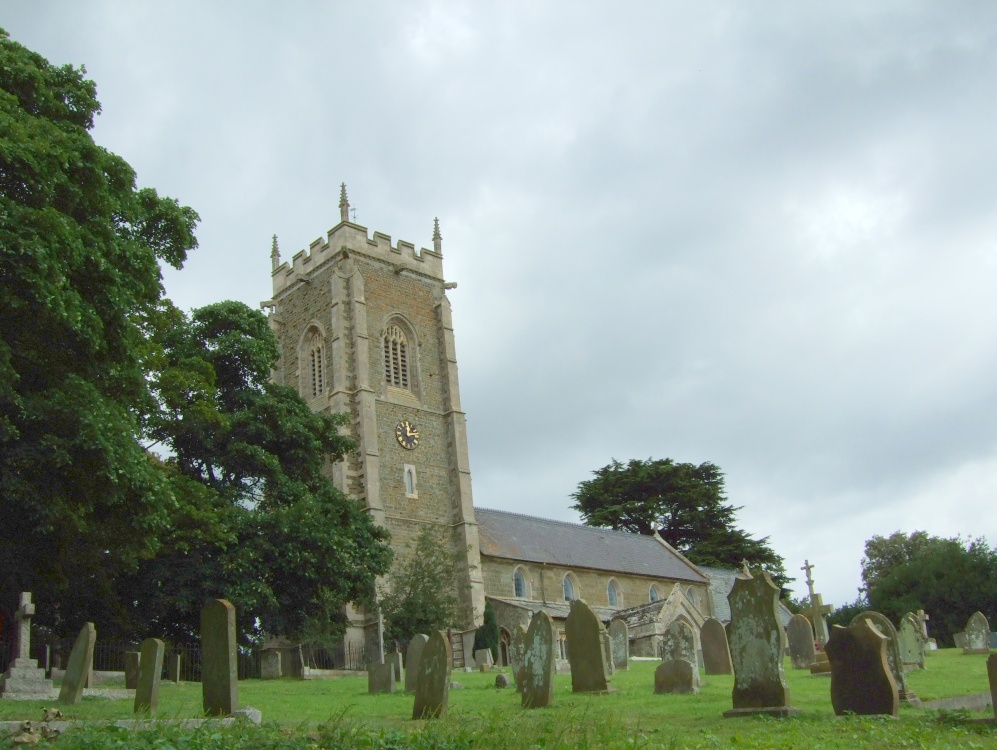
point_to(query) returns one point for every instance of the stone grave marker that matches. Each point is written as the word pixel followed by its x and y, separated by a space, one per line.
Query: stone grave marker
pixel 678 642
pixel 501 680
pixel 517 652
pixel 483 659
pixel 911 642
pixel 412 656
pixel 801 642
pixel 173 668
pixel 79 666
pixel 131 669
pixel 538 663
pixel 432 691
pixel 716 652
pixel 977 634
pixel 756 648
pixel 381 677
pixel 586 649
pixel 960 640
pixel 861 679
pixel 893 657
pixel 922 620
pixel 149 673
pixel 270 668
pixel 23 675
pixel 395 660
pixel 992 679
pixel 619 641
pixel 219 665
pixel 678 671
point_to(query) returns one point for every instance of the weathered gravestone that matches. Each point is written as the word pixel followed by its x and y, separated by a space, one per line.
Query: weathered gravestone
pixel 131 669
pixel 893 657
pixel 607 651
pixel 501 680
pixel 801 642
pixel 716 652
pixel 412 656
pixel 538 663
pixel 756 648
pixel 381 678
pixel 678 671
pixel 861 679
pixel 992 679
pixel 977 634
pixel 219 667
pixel 960 640
pixel 149 673
pixel 23 676
pixel 586 649
pixel 619 643
pixel 911 642
pixel 432 687
pixel 173 668
pixel 517 652
pixel 483 659
pixel 79 666
pixel 395 660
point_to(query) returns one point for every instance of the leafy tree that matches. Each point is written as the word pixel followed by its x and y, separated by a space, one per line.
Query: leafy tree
pixel 882 554
pixel 79 252
pixel 844 614
pixel 487 635
pixel 682 502
pixel 418 597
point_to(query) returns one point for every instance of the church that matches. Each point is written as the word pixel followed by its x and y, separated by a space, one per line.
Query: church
pixel 365 328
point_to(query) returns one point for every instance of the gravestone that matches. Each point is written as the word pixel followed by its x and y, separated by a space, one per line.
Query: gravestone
pixel 538 663
pixel 922 620
pixel 586 649
pixel 270 668
pixel 960 640
pixel 676 676
pixel 911 642
pixel 756 648
pixel 432 687
pixel 861 679
pixel 23 676
pixel 173 668
pixel 131 669
pixel 517 652
pixel 977 634
pixel 381 678
pixel 678 642
pixel 483 658
pixel 607 652
pixel 801 642
pixel 149 673
pixel 79 667
pixel 219 665
pixel 716 652
pixel 395 660
pixel 501 680
pixel 992 679
pixel 893 657
pixel 817 610
pixel 619 643
pixel 412 656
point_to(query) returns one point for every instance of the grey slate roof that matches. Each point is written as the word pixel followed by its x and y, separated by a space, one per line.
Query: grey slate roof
pixel 556 611
pixel 540 540
pixel 721 583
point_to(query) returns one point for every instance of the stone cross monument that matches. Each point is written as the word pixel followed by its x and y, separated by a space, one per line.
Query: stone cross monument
pixel 24 677
pixel 817 610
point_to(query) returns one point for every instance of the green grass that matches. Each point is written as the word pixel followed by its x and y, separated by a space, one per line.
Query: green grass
pixel 340 713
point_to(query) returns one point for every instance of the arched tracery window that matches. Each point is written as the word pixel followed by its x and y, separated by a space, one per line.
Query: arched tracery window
pixel 396 358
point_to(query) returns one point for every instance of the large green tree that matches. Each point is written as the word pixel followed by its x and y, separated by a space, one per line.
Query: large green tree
pixel 883 554
pixel 80 247
pixel 682 502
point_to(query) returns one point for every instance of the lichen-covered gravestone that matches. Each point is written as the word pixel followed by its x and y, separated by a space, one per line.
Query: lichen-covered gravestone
pixel 893 657
pixel 861 679
pixel 911 642
pixel 517 651
pixel 219 668
pixel 79 666
pixel 716 652
pixel 538 663
pixel 977 634
pixel 801 642
pixel 756 649
pixel 619 642
pixel 432 686
pixel 412 656
pixel 678 671
pixel 586 649
pixel 149 673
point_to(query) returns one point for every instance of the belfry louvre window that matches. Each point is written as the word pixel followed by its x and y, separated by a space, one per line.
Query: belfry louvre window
pixel 315 363
pixel 396 358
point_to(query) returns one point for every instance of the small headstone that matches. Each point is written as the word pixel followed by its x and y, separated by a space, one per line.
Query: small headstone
pixel 79 667
pixel 960 640
pixel 501 680
pixel 716 652
pixel 678 642
pixel 801 642
pixel 149 673
pixel 131 669
pixel 992 679
pixel 395 660
pixel 270 664
pixel 676 676
pixel 432 690
pixel 586 649
pixel 412 656
pixel 893 658
pixel 381 678
pixel 219 665
pixel 517 650
pixel 619 643
pixel 483 657
pixel 24 676
pixel 861 679
pixel 538 663
pixel 756 648
pixel 977 634
pixel 173 668
pixel 911 642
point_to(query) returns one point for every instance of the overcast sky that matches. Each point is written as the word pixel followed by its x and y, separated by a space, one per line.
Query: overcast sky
pixel 762 235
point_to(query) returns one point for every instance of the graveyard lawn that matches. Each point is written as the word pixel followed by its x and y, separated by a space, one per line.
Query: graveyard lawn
pixel 340 713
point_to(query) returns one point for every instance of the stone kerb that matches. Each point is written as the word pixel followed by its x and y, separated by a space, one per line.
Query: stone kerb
pixel 412 656
pixel 716 651
pixel 432 690
pixel 586 649
pixel 861 679
pixel 538 662
pixel 149 673
pixel 79 666
pixel 219 667
pixel 977 634
pixel 800 634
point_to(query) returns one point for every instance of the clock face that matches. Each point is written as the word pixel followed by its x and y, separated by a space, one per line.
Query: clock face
pixel 407 435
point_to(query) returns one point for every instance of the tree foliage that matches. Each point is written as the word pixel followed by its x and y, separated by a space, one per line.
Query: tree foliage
pixel 883 554
pixel 682 502
pixel 487 634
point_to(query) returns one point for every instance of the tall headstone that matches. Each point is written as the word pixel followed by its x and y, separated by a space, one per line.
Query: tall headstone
pixel 79 666
pixel 586 649
pixel 911 642
pixel 756 648
pixel 893 658
pixel 619 643
pixel 412 656
pixel 922 620
pixel 817 611
pixel 173 668
pixel 23 676
pixel 432 691
pixel 992 679
pixel 716 651
pixel 678 671
pixel 538 663
pixel 977 634
pixel 801 642
pixel 517 652
pixel 395 660
pixel 131 669
pixel 149 673
pixel 861 679
pixel 219 658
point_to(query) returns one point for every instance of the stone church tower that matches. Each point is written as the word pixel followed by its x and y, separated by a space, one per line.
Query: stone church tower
pixel 364 328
